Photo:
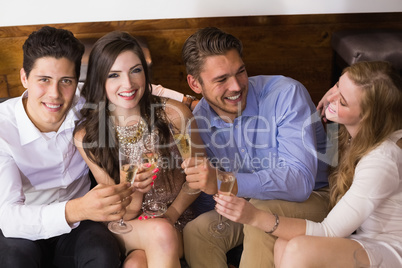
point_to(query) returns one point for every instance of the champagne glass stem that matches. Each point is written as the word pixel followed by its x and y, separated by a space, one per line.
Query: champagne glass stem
pixel 153 192
pixel 219 222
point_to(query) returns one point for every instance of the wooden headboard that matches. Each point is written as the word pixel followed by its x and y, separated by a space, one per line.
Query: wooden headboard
pixel 293 45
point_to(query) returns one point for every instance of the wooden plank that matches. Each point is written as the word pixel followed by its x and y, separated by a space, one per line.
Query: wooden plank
pixel 3 87
pixel 297 46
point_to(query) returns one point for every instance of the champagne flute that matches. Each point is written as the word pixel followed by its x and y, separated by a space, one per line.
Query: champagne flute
pixel 128 164
pixel 150 157
pixel 183 142
pixel 226 176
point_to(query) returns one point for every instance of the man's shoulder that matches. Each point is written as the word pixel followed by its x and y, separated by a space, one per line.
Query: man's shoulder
pixel 275 86
pixel 8 119
pixel 7 109
pixel 270 82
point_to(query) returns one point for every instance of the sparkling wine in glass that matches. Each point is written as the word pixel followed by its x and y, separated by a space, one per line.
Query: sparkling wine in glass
pixel 152 207
pixel 226 176
pixel 183 142
pixel 128 164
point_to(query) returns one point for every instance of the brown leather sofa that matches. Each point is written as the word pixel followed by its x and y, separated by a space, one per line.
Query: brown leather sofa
pixel 351 46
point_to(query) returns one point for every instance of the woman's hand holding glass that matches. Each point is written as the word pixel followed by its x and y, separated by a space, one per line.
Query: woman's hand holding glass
pixel 146 175
pixel 226 173
pixel 235 208
pixel 150 159
pixel 142 185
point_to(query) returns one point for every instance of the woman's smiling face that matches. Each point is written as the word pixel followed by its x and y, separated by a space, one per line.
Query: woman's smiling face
pixel 344 104
pixel 125 84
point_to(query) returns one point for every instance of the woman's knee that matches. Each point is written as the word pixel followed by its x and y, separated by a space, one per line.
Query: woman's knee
pixel 298 248
pixel 162 234
pixel 136 259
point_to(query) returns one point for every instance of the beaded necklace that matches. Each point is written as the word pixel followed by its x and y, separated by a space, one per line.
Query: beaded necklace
pixel 130 134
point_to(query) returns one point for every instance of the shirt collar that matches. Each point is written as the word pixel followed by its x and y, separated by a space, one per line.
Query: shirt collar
pixel 28 132
pixel 26 129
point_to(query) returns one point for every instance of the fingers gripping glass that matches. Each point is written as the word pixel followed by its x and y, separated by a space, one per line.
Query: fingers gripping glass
pixel 226 175
pixel 150 157
pixel 128 164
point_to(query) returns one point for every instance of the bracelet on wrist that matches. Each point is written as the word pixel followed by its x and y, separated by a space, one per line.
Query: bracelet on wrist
pixel 275 226
pixel 189 100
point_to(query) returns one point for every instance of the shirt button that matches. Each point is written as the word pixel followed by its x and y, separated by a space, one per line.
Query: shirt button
pixel 242 150
pixel 237 126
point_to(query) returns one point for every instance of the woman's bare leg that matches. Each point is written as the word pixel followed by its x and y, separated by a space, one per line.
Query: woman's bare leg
pixel 136 259
pixel 279 248
pixel 157 238
pixel 312 251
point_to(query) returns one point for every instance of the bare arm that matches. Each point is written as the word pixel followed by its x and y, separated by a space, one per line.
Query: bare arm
pixel 106 198
pixel 177 113
pixel 240 210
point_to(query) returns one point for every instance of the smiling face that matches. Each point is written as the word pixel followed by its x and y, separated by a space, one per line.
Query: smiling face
pixel 224 84
pixel 125 84
pixel 51 87
pixel 344 105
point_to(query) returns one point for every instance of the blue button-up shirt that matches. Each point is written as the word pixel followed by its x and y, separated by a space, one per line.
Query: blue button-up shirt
pixel 275 139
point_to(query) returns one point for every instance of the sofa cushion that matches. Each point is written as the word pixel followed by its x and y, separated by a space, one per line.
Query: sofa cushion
pixel 369 45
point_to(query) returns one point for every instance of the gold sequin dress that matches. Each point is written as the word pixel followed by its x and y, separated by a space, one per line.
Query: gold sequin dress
pixel 170 177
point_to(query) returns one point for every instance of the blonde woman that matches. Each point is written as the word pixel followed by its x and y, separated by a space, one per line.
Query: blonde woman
pixel 366 186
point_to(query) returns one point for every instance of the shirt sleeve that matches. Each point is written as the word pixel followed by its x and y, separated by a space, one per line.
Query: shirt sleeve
pixel 159 90
pixel 376 178
pixel 26 221
pixel 292 168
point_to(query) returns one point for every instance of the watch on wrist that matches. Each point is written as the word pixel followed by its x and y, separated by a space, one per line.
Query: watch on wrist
pixel 189 100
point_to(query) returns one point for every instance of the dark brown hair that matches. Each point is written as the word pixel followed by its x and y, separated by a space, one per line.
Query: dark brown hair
pixel 100 141
pixel 51 42
pixel 206 42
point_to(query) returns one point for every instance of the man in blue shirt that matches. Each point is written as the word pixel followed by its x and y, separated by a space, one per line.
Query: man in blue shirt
pixel 266 123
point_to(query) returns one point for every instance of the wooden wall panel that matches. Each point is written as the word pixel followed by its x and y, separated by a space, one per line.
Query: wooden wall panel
pixel 293 45
pixel 3 86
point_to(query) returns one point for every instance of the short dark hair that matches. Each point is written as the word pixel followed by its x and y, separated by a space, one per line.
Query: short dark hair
pixel 51 42
pixel 206 42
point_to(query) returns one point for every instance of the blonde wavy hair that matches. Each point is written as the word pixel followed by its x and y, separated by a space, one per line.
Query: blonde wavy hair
pixel 380 116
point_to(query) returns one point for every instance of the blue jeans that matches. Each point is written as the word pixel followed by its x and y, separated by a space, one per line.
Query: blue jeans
pixel 89 245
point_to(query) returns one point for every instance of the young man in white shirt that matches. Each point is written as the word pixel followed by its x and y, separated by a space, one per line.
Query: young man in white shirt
pixel 49 216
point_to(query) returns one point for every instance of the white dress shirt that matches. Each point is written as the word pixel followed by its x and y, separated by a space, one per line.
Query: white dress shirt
pixel 39 173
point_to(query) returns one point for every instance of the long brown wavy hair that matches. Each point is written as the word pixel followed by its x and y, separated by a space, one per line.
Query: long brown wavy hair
pixel 381 115
pixel 100 142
